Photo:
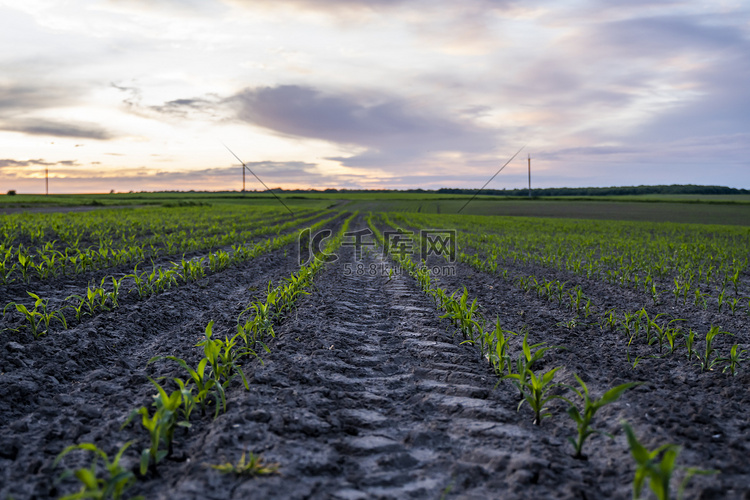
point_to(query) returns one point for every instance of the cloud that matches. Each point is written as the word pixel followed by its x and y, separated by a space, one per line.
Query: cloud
pixel 38 126
pixel 23 163
pixel 666 35
pixel 34 162
pixel 388 127
pixel 342 6
pixel 331 6
pixel 207 107
pixel 20 97
pixel 19 105
pixel 703 70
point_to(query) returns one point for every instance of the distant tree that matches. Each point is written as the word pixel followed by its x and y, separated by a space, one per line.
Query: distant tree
pixel 12 192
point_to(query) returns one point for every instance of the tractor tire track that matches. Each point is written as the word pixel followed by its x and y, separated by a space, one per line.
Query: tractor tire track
pixel 367 395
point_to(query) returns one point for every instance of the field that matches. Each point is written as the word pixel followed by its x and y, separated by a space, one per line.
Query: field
pixel 231 349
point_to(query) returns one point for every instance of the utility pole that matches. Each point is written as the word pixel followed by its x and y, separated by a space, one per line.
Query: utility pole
pixel 529 175
pixel 243 179
pixel 46 181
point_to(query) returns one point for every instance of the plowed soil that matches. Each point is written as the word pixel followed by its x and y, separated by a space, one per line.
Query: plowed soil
pixel 366 393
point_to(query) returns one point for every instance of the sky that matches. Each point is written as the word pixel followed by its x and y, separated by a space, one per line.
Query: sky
pixel 145 95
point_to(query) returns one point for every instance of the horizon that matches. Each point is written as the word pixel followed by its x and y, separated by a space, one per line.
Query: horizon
pixel 485 191
pixel 390 94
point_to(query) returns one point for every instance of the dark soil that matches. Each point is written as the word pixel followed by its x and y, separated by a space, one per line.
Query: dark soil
pixel 366 394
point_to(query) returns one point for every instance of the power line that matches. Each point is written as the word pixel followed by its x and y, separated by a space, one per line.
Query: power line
pixel 259 180
pixel 485 184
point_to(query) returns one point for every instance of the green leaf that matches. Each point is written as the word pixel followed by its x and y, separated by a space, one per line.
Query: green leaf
pixel 145 459
pixel 87 477
pixel 614 394
pixel 640 453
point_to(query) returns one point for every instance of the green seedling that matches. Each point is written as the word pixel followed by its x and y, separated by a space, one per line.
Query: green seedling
pixel 701 298
pixel 188 401
pixel 204 384
pixel 584 419
pixel 706 360
pixel 191 270
pixel 689 343
pixel 498 349
pixel 463 315
pixel 169 404
pixel 654 294
pixel 114 485
pixel 223 359
pixel 38 319
pixel 6 271
pixel 140 280
pixel 256 329
pixel 609 319
pixel 157 426
pixel 160 426
pixel 671 334
pixel 535 391
pixel 734 360
pixel 587 309
pixel 115 293
pixel 576 299
pixel 665 333
pixel 631 323
pixel 733 303
pixel 525 362
pixel 248 466
pixel 78 307
pixel 657 467
pixel 25 264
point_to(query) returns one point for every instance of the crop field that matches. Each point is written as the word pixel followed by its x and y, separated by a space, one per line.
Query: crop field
pixel 242 351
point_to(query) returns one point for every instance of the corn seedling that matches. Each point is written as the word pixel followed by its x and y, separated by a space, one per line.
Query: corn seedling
pixel 657 467
pixel 664 333
pixel 156 425
pixel 689 343
pixel 223 358
pixel 576 299
pixel 609 319
pixel 525 361
pixel 584 419
pixel 6 271
pixel 706 359
pixel 248 466
pixel 671 334
pixel 206 386
pixel 188 401
pixel 255 330
pixel 141 282
pixel 497 344
pixel 160 426
pixel 113 485
pixel 78 307
pixel 587 309
pixel 654 294
pixel 720 300
pixel 168 405
pixel 25 263
pixel 463 315
pixel 734 360
pixel 115 293
pixel 535 391
pixel 733 303
pixel 701 299
pixel 37 319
